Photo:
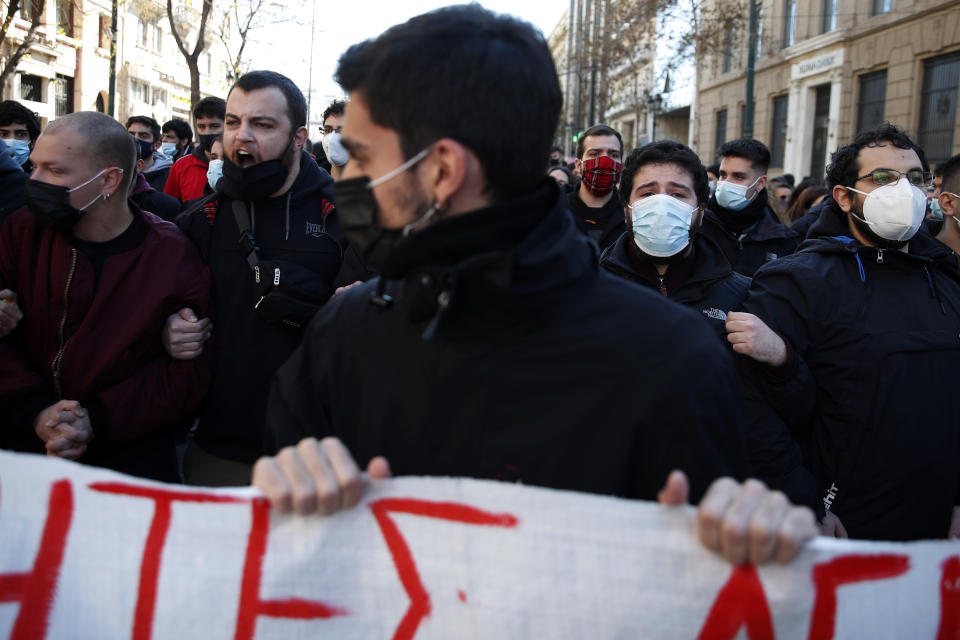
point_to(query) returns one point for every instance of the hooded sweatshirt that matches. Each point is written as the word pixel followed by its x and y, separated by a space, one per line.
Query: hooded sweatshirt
pixel 297 231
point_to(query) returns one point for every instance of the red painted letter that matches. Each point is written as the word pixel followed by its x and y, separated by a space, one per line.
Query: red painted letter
pixel 403 559
pixel 251 606
pixel 827 576
pixel 950 600
pixel 34 590
pixel 740 602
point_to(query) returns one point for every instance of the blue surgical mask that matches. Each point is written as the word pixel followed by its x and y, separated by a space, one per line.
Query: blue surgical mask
pixel 734 196
pixel 661 225
pixel 20 149
pixel 168 149
pixel 935 209
pixel 214 172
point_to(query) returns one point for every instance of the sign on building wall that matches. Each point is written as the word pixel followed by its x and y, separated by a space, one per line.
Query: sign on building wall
pixel 86 553
pixel 819 63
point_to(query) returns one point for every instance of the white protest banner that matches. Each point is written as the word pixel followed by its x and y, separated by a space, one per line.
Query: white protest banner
pixel 87 553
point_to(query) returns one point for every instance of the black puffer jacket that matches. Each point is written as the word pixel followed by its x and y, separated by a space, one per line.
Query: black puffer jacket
pixel 868 410
pixel 506 353
pixel 761 240
pixel 712 288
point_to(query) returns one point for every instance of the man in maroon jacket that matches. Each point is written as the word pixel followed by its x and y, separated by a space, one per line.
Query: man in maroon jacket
pixel 84 375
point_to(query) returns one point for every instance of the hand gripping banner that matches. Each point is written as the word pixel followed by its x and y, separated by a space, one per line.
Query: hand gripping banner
pixel 87 553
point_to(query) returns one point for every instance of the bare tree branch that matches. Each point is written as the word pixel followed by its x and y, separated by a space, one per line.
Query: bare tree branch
pixel 10 64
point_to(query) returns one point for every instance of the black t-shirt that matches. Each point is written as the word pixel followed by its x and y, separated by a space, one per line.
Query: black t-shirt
pixel 98 252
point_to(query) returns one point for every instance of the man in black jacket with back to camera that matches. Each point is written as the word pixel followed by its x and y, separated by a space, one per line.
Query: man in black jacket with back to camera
pixel 491 345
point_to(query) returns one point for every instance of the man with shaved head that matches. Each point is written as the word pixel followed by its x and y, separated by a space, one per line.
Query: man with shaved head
pixel 83 373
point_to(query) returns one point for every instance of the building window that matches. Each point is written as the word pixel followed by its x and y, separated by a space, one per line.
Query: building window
pixel 721 132
pixel 830 8
pixel 65 17
pixel 873 99
pixel 938 106
pixel 727 57
pixel 789 22
pixel 778 131
pixel 158 39
pixel 104 31
pixel 141 91
pixel 29 9
pixel 31 87
pixel 882 6
pixel 64 102
pixel 142 33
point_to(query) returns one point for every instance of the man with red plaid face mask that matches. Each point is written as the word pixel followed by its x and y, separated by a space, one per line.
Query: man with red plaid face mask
pixel 595 205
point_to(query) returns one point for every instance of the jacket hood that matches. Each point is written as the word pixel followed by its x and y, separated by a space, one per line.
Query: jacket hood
pixel 160 163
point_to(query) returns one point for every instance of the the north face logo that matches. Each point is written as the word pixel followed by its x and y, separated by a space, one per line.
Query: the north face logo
pixel 315 230
pixel 716 314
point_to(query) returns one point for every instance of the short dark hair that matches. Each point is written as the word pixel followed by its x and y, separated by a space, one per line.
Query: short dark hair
pixel 844 168
pixel 108 142
pixel 951 175
pixel 714 169
pixel 148 122
pixel 336 108
pixel 179 127
pixel 497 82
pixel 665 152
pixel 597 130
pixel 12 112
pixel 749 149
pixel 296 103
pixel 210 107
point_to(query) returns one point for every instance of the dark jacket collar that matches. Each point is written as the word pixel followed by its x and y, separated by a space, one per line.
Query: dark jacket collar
pixel 831 234
pixel 521 245
pixel 708 263
pixel 763 224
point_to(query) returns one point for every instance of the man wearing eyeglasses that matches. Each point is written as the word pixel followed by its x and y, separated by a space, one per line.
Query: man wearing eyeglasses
pixel 332 147
pixel 865 322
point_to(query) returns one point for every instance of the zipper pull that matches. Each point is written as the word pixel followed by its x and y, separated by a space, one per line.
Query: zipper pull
pixel 276 276
pixel 879 256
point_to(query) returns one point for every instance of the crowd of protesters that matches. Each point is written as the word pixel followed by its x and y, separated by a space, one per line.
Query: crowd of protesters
pixel 451 302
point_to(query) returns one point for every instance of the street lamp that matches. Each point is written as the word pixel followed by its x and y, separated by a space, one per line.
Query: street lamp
pixel 654 102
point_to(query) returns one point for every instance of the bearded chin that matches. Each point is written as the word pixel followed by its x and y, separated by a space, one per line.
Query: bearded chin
pixel 870 235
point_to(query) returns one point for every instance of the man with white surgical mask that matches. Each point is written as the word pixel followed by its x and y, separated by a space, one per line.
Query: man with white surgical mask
pixel 664 187
pixel 333 148
pixel 849 338
pixel 19 129
pixel 739 218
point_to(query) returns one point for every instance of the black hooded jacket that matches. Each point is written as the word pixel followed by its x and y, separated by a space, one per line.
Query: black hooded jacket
pixel 763 239
pixel 506 353
pixel 712 287
pixel 298 231
pixel 865 416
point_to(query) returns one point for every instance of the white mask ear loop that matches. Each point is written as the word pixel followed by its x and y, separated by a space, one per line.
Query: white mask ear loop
pixel 406 165
pixel 105 196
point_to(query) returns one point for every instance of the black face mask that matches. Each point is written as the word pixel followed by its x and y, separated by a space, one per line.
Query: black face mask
pixel 144 149
pixel 252 183
pixel 50 203
pixel 357 214
pixel 207 140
